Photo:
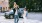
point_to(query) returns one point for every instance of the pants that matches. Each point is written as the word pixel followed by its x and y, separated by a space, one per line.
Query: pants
pixel 16 18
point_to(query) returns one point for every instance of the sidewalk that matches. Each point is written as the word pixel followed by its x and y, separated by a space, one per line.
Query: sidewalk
pixel 30 21
pixel 2 14
pixel 3 20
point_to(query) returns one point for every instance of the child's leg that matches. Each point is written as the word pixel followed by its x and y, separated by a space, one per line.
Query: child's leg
pixel 23 20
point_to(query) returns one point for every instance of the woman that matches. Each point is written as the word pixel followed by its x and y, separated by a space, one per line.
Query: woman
pixel 15 5
pixel 16 17
pixel 25 14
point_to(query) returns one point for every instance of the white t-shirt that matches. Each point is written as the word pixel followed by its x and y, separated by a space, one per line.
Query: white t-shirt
pixel 24 15
pixel 16 13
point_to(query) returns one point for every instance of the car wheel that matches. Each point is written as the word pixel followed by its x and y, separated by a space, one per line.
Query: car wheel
pixel 11 16
pixel 7 17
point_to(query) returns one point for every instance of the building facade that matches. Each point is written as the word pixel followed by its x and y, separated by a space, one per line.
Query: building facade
pixel 4 5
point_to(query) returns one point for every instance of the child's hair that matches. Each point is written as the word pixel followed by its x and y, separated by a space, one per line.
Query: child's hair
pixel 26 9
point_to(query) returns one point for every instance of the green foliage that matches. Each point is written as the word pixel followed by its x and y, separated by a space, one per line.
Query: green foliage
pixel 29 3
pixel 11 3
pixel 33 4
pixel 21 3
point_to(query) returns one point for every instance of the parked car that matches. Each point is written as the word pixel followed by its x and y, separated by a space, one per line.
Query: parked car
pixel 10 14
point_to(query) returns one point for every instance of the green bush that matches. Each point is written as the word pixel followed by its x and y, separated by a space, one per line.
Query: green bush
pixel 21 3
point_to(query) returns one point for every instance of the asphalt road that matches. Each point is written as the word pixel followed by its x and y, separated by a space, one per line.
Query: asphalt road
pixel 35 16
pixel 3 20
pixel 32 18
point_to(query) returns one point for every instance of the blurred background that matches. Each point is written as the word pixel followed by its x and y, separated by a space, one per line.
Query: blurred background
pixel 32 5
pixel 34 8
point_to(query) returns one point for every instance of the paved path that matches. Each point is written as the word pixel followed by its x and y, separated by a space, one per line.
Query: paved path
pixel 35 16
pixel 2 14
pixel 3 20
pixel 32 18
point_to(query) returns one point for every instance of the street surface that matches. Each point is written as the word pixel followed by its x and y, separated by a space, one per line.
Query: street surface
pixel 32 18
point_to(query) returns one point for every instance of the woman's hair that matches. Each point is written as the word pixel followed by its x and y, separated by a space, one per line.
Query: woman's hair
pixel 15 2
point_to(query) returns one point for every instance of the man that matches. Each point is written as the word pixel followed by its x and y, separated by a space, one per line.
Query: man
pixel 16 17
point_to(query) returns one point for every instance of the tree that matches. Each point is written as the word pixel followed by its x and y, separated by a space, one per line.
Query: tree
pixel 21 3
pixel 11 3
